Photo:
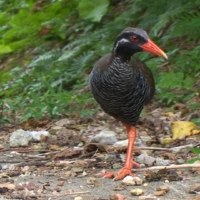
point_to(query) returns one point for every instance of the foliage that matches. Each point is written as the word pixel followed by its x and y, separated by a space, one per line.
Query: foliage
pixel 48 49
pixel 93 10
pixel 197 152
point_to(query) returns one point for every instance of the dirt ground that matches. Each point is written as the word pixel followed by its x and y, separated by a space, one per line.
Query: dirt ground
pixel 53 169
pixel 106 187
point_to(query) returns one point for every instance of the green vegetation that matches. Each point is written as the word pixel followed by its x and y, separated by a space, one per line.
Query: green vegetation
pixel 197 158
pixel 48 48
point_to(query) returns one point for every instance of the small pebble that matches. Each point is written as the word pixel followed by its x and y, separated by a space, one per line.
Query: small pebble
pixel 92 181
pixel 159 193
pixel 77 169
pixel 60 183
pixel 116 166
pixel 121 143
pixel 180 161
pixel 161 162
pixel 137 180
pixel 105 137
pixel 78 198
pixel 137 192
pixel 163 188
pixel 129 180
pixel 145 159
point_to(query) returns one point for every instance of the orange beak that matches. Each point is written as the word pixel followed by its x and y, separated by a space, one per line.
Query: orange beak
pixel 151 47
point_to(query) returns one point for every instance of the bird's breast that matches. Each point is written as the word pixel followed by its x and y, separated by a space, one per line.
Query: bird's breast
pixel 121 92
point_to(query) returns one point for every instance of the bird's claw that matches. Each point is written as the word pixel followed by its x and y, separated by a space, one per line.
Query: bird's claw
pixel 108 175
pixel 118 175
pixel 121 173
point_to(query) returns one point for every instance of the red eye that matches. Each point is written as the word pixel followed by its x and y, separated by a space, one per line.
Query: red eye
pixel 134 38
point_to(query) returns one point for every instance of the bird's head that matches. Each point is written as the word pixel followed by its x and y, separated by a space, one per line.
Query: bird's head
pixel 132 40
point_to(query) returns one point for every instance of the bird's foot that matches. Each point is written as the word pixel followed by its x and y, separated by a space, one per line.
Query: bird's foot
pixel 121 173
pixel 118 175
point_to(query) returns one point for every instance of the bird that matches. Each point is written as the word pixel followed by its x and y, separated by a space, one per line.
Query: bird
pixel 122 85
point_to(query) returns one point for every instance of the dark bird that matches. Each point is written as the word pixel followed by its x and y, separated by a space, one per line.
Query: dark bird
pixel 122 85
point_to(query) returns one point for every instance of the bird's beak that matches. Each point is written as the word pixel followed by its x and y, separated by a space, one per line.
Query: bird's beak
pixel 151 47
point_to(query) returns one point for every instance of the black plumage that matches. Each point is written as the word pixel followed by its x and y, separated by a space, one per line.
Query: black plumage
pixel 122 85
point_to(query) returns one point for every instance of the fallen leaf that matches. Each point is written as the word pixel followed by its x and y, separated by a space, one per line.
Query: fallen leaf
pixel 66 153
pixel 182 129
pixel 170 114
pixel 29 186
pixel 9 186
pixel 93 147
pixel 194 189
pixel 117 197
pixel 159 193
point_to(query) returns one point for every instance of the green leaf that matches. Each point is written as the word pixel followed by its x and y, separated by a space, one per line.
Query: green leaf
pixel 192 160
pixel 93 10
pixel 171 80
pixel 195 150
pixel 5 49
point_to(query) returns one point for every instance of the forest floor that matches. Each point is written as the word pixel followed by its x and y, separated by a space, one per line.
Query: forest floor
pixel 67 163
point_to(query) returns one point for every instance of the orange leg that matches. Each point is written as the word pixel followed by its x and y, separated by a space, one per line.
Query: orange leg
pixel 129 163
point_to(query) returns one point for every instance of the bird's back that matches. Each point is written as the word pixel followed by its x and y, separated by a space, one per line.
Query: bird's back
pixel 121 88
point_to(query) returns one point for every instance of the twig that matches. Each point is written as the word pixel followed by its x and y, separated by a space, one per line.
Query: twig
pixel 67 193
pixel 31 163
pixel 173 149
pixel 179 148
pixel 24 150
pixel 64 163
pixel 154 148
pixel 168 167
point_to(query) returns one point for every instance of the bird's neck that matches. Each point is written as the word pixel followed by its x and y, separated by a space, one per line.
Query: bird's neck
pixel 121 52
pixel 120 56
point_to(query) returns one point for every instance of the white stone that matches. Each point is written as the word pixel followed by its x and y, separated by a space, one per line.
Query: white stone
pixel 121 143
pixel 105 137
pixel 37 134
pixel 145 159
pixel 20 138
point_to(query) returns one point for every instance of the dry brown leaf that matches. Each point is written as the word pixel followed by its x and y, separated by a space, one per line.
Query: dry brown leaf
pixel 117 197
pixel 9 186
pixel 170 114
pixel 181 129
pixel 66 153
pixel 92 147
pixel 29 186
pixel 159 193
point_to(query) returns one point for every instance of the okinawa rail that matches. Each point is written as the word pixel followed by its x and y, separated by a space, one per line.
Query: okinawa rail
pixel 122 85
